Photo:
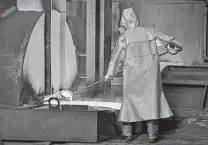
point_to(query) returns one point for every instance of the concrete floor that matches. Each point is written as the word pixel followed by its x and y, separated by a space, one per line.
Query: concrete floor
pixel 193 134
pixel 186 132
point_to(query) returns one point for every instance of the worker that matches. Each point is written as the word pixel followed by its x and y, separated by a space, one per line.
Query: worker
pixel 136 52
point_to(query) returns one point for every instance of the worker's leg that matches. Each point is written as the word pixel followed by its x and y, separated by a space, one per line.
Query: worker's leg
pixel 152 129
pixel 136 129
pixel 127 132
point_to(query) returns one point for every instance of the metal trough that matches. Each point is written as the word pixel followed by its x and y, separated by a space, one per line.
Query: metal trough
pixel 71 124
pixel 185 87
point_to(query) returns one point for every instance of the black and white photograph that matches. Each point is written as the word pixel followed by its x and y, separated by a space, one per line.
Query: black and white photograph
pixel 103 72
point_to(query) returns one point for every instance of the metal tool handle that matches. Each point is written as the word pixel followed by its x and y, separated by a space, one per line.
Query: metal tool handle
pixel 89 86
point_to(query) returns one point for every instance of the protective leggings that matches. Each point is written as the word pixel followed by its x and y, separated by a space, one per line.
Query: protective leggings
pixel 130 129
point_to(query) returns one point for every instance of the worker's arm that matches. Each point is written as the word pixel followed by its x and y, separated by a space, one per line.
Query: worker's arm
pixel 165 40
pixel 114 64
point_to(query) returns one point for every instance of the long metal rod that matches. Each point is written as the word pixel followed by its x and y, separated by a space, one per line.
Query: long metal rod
pixel 89 86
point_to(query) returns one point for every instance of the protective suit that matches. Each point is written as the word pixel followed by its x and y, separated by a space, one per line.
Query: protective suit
pixel 136 55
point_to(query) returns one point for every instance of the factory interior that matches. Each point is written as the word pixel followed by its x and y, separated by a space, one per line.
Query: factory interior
pixel 54 55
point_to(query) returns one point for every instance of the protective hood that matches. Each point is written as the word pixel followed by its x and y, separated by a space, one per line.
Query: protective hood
pixel 128 19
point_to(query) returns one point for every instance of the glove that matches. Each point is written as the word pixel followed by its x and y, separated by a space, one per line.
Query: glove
pixel 178 49
pixel 108 77
pixel 178 45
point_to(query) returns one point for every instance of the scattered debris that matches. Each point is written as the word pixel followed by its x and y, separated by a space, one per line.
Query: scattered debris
pixel 201 124
pixel 191 120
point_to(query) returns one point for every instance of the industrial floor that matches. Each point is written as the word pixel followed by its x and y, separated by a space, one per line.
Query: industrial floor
pixel 186 132
pixel 192 129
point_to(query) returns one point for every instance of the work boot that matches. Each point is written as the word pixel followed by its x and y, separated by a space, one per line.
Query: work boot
pixel 127 138
pixel 152 129
pixel 153 140
pixel 127 133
